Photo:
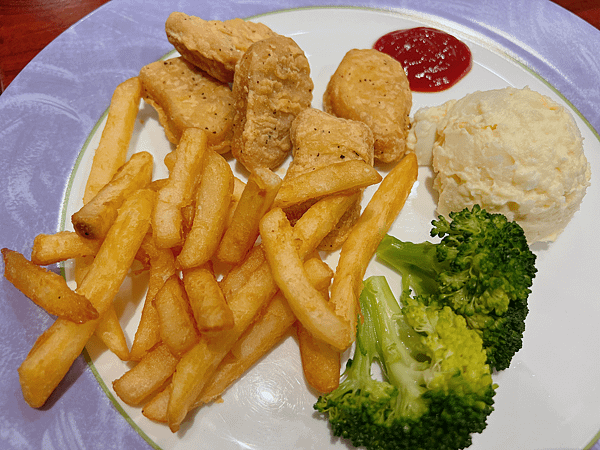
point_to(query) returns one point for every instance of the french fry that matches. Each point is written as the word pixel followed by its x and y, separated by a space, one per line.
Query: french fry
pixel 162 267
pixel 114 141
pixel 53 248
pixel 320 362
pixel 208 304
pixel 238 189
pixel 374 222
pixel 176 322
pixel 213 198
pixel 110 331
pixel 308 304
pixel 55 350
pixel 178 192
pixel 256 200
pixel 336 178
pixel 146 377
pixel 156 408
pixel 96 216
pixel 46 289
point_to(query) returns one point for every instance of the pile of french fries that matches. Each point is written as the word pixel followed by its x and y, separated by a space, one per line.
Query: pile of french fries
pixel 229 276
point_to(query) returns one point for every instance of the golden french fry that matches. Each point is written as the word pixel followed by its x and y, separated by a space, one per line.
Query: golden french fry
pixel 46 289
pixel 318 221
pixel 176 322
pixel 178 192
pixel 256 200
pixel 321 363
pixel 375 221
pixel 156 408
pixel 114 142
pixel 336 178
pixel 236 195
pixel 162 267
pixel 110 332
pixel 239 274
pixel 52 248
pixel 198 365
pixel 308 304
pixel 213 199
pixel 146 377
pixel 209 307
pixel 55 350
pixel 95 218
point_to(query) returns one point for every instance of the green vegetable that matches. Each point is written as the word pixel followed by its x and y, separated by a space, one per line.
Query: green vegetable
pixel 482 268
pixel 436 389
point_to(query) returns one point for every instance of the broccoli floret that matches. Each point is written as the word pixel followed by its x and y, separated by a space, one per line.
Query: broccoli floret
pixel 482 268
pixel 436 388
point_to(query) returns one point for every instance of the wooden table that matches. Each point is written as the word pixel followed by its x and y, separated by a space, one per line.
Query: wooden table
pixel 27 26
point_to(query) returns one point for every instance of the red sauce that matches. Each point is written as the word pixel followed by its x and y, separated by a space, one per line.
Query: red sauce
pixel 433 60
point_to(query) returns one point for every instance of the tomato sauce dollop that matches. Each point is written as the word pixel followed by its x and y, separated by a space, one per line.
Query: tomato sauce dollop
pixel 432 59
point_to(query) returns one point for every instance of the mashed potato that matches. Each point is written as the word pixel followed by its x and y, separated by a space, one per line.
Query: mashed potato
pixel 513 151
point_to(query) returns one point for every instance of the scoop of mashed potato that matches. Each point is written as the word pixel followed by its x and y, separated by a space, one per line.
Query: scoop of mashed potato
pixel 513 151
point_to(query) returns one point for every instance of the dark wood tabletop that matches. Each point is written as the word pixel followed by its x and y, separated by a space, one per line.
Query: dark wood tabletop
pixel 27 26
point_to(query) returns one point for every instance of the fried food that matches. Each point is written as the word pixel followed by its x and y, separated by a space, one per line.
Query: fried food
pixel 375 221
pixel 271 86
pixel 186 97
pixel 372 87
pixel 212 45
pixel 319 140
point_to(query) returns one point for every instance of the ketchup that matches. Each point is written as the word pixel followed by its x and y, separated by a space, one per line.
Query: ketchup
pixel 433 60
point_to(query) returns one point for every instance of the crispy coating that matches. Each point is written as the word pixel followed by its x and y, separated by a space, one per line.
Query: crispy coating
pixel 272 85
pixel 212 45
pixel 186 97
pixel 320 139
pixel 372 87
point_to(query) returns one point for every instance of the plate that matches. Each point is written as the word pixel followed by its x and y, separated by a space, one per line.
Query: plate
pixel 547 399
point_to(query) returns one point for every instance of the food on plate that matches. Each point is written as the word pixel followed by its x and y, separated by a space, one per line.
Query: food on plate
pixel 257 197
pixel 214 46
pixel 178 192
pixel 95 218
pixel 52 248
pixel 161 266
pixel 437 389
pixel 371 87
pixel 46 289
pixel 210 212
pixel 271 86
pixel 55 350
pixel 321 140
pixel 110 331
pixel 433 59
pixel 207 301
pixel 364 237
pixel 482 269
pixel 111 152
pixel 515 152
pixel 175 318
pixel 308 304
pixel 186 97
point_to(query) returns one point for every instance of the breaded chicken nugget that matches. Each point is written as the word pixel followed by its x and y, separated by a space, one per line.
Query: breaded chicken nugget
pixel 212 45
pixel 320 139
pixel 186 97
pixel 272 85
pixel 372 87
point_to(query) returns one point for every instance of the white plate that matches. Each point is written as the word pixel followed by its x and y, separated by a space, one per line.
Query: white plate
pixel 549 396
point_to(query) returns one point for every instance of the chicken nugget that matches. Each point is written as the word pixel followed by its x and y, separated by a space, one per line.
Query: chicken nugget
pixel 186 97
pixel 212 45
pixel 320 139
pixel 272 85
pixel 372 87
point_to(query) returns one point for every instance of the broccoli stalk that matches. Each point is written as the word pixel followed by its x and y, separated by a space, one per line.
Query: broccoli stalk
pixel 482 268
pixel 437 389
